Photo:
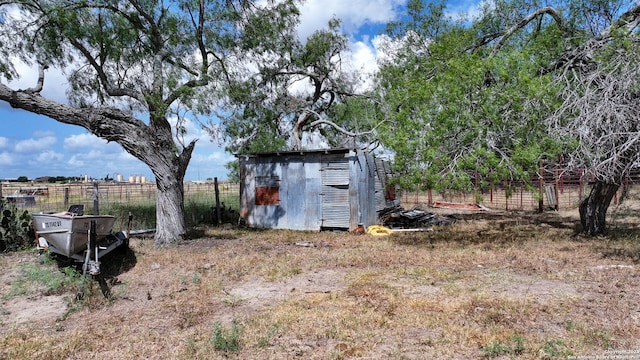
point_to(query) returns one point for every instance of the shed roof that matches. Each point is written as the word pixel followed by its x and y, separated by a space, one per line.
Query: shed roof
pixel 296 152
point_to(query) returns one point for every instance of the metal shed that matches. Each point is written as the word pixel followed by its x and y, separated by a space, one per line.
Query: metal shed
pixel 313 189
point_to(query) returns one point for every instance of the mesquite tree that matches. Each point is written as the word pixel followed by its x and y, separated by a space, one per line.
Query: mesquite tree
pixel 461 106
pixel 516 84
pixel 601 114
pixel 297 85
pixel 132 66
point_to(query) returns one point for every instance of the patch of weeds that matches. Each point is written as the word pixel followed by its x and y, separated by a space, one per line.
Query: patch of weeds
pixel 195 278
pixel 226 340
pixel 45 279
pixel 554 349
pixel 233 300
pixel 4 311
pixel 513 346
pixel 192 347
pixel 569 325
pixel 597 337
pixel 264 341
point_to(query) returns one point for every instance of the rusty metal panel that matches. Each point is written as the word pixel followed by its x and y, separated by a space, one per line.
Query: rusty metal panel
pixel 267 195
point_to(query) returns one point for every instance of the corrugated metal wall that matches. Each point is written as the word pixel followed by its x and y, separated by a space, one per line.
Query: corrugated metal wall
pixel 311 190
pixel 335 191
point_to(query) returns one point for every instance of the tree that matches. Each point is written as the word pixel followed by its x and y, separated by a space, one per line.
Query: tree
pixel 297 84
pixel 456 110
pixel 134 68
pixel 601 110
pixel 484 95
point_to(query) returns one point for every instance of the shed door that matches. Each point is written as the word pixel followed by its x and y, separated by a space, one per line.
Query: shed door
pixel 335 193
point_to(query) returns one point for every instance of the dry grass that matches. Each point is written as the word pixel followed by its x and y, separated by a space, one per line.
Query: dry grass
pixel 506 285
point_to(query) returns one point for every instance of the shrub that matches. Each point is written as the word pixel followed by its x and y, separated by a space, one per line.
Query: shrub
pixel 16 231
pixel 226 340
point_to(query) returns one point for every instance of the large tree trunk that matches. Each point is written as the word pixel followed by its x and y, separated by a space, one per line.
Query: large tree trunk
pixel 593 209
pixel 169 168
pixel 170 224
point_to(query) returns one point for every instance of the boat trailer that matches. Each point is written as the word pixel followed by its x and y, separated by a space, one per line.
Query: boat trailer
pixel 79 237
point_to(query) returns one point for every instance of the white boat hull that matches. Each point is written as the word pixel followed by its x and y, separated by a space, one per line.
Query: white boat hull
pixel 68 234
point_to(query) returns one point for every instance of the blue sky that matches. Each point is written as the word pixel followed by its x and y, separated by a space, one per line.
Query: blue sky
pixel 33 145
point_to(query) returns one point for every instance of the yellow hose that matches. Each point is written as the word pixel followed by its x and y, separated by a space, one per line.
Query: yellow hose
pixel 379 230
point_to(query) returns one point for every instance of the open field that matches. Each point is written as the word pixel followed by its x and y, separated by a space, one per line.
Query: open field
pixel 494 285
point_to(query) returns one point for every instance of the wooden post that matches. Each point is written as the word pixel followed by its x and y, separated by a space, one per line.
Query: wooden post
pixel 541 188
pixel 521 196
pixel 66 197
pixel 217 192
pixel 96 210
pixel 491 192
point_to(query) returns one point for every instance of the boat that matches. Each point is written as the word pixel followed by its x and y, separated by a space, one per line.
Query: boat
pixel 84 238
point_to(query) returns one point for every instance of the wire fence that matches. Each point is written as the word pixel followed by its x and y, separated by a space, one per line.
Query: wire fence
pixel 122 198
pixel 556 188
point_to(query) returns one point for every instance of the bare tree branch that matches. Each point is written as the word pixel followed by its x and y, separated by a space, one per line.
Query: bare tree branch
pixel 522 23
pixel 40 84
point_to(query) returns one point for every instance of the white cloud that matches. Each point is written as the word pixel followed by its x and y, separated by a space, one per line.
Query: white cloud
pixel 316 13
pixel 363 59
pixel 6 159
pixel 75 161
pixel 83 141
pixel 55 82
pixel 49 156
pixel 32 145
pixel 4 142
pixel 466 10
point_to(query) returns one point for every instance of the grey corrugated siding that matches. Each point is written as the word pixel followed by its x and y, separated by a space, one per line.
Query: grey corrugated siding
pixel 331 189
pixel 335 191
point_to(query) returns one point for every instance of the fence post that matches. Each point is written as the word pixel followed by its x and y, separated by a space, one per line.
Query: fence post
pixel 541 188
pixel 557 181
pixel 96 210
pixel 217 192
pixel 66 197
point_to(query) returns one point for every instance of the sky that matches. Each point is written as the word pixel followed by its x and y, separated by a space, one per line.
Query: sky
pixel 33 145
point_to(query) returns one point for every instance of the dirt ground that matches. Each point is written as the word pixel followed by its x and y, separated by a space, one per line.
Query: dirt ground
pixel 494 285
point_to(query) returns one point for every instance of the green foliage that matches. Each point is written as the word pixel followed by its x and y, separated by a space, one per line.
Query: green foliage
pixel 455 109
pixel 264 341
pixel 514 346
pixel 262 110
pixel 226 340
pixel 15 228
pixel 555 349
pixel 44 278
pixel 233 170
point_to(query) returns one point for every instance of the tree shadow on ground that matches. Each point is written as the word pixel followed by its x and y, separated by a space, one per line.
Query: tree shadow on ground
pixel 622 243
pixel 494 228
pixel 514 218
pixel 118 261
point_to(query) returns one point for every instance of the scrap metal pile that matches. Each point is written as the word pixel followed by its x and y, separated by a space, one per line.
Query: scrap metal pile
pixel 399 218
